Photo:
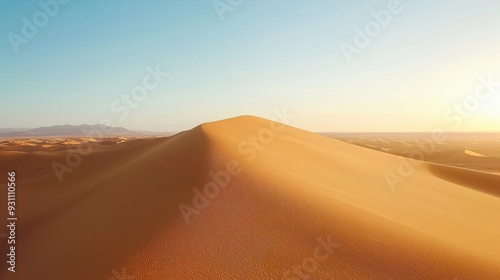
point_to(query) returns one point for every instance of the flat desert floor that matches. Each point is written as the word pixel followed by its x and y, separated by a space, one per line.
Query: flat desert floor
pixel 247 198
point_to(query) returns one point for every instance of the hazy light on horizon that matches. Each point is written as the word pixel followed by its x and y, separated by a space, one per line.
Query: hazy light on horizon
pixel 262 56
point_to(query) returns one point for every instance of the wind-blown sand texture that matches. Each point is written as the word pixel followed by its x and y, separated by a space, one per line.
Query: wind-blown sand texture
pixel 118 211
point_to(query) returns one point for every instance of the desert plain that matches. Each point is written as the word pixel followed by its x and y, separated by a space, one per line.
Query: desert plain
pixel 248 198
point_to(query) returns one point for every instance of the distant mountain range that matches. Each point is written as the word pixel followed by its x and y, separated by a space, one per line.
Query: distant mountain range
pixel 68 130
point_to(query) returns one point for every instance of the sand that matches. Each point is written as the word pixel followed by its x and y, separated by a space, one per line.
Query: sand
pixel 460 150
pixel 285 204
pixel 474 154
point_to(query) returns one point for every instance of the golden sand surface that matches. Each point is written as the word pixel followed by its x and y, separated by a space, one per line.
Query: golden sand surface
pixel 479 154
pixel 247 198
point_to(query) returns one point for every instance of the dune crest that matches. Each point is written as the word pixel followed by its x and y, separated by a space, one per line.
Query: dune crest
pixel 296 192
pixel 474 154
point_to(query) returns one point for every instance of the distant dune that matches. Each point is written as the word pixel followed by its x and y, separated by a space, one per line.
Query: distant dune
pixel 247 198
pixel 479 153
pixel 474 154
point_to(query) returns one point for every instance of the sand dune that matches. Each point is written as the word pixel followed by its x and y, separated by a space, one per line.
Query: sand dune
pixel 474 154
pixel 283 204
pixel 55 144
pixel 479 154
pixel 485 182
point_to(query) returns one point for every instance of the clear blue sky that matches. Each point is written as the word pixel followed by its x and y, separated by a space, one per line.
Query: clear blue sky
pixel 263 55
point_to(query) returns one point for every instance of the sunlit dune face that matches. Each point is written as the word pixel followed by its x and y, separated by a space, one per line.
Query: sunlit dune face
pixel 474 154
pixel 177 208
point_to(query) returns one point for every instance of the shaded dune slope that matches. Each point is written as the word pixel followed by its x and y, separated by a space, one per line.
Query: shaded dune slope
pixel 482 181
pixel 120 208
